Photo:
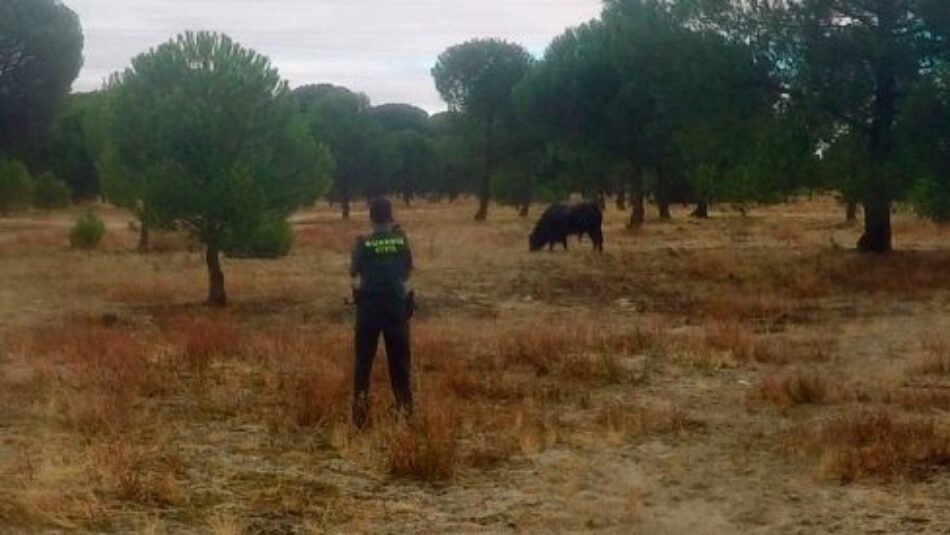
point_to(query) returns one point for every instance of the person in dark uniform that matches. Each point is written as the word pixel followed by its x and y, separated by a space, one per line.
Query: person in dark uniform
pixel 380 265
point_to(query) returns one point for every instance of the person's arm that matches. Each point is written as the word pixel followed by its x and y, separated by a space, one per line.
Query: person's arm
pixel 408 267
pixel 356 258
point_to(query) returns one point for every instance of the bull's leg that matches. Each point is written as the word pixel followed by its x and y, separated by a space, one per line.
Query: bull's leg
pixel 564 242
pixel 597 237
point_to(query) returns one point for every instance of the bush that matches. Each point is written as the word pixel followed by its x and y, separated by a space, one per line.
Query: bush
pixel 16 187
pixel 270 239
pixel 50 193
pixel 87 232
pixel 931 199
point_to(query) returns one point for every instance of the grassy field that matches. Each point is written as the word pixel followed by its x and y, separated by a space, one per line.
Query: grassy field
pixel 745 374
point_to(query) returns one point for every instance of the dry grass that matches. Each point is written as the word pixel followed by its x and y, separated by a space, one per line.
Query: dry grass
pixel 425 447
pixel 801 348
pixel 145 472
pixel 204 338
pixel 529 370
pixel 102 372
pixel 790 390
pixel 224 524
pixel 150 293
pixel 622 423
pixel 172 242
pixel 732 337
pixel 540 346
pixel 42 240
pixel 876 444
pixel 904 273
pixel 331 237
pixel 741 307
pixel 936 360
pixel 923 399
pixel 316 397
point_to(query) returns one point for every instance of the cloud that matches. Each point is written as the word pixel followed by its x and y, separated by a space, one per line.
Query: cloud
pixel 382 48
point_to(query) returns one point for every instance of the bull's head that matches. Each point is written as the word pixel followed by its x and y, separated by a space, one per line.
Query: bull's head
pixel 535 242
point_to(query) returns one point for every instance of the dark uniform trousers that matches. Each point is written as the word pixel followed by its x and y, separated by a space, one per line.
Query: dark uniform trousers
pixel 389 315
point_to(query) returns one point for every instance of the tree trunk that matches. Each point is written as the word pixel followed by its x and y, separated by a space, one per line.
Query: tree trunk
pixel 877 228
pixel 345 204
pixel 484 195
pixel 526 198
pixel 144 242
pixel 343 190
pixel 877 207
pixel 408 190
pixel 851 212
pixel 662 195
pixel 216 294
pixel 637 212
pixel 701 211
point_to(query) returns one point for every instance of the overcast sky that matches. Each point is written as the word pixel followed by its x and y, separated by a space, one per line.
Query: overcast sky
pixel 383 48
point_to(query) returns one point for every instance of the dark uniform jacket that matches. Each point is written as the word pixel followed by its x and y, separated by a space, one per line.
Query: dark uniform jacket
pixel 383 262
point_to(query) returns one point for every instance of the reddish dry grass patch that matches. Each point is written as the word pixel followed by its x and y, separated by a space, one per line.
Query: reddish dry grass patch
pixel 335 237
pixel 426 447
pixel 732 337
pixel 903 272
pixel 540 346
pixel 299 346
pixel 152 293
pixel 172 242
pixel 936 360
pixel 866 445
pixel 790 234
pixel 315 398
pixel 740 342
pixel 808 349
pixel 101 371
pixel 201 339
pixel 47 239
pixel 790 390
pixel 311 371
pixel 739 306
pixel 923 399
pixel 777 280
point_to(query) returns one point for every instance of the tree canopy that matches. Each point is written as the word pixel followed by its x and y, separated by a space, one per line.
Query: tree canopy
pixel 40 56
pixel 859 67
pixel 341 120
pixel 477 79
pixel 216 129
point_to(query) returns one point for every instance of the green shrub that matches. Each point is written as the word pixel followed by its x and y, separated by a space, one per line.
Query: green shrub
pixel 931 198
pixel 269 239
pixel 50 193
pixel 16 187
pixel 87 232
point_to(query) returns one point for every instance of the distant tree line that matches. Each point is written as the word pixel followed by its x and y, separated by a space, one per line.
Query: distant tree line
pixel 674 101
pixel 735 101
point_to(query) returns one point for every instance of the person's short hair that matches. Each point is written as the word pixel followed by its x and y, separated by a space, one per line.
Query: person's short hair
pixel 380 210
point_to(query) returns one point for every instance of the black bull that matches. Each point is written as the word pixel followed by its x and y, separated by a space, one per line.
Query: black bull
pixel 561 221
